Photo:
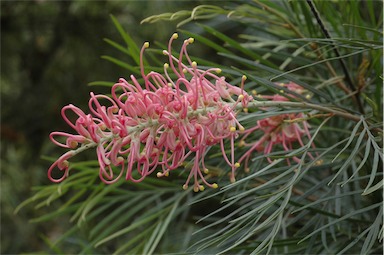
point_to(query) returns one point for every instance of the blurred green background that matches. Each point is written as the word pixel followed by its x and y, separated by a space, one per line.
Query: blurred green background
pixel 50 51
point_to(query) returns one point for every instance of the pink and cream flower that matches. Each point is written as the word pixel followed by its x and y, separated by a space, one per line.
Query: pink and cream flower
pixel 159 125
pixel 280 130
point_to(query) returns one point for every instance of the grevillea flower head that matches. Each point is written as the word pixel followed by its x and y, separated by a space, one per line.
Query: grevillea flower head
pixel 159 125
pixel 279 130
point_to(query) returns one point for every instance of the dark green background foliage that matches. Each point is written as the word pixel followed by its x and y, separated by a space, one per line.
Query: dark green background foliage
pixel 50 57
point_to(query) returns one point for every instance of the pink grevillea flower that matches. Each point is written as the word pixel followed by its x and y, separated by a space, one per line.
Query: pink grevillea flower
pixel 171 118
pixel 281 130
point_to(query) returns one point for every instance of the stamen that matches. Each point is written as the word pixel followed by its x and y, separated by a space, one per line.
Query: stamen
pixel 120 159
pixel 64 164
pixel 73 144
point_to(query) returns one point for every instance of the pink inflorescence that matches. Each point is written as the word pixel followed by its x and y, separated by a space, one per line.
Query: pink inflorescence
pixel 280 130
pixel 157 126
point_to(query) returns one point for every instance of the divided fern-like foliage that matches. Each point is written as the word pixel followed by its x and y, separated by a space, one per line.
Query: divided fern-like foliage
pixel 328 201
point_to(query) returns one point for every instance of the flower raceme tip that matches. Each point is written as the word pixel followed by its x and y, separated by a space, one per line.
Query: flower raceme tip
pixel 280 130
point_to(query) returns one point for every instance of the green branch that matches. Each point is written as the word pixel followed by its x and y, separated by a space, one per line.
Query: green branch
pixel 282 104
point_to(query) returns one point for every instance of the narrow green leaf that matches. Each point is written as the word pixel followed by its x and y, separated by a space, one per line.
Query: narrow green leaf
pixel 253 64
pixel 374 143
pixel 152 237
pixel 351 157
pixel 122 64
pixel 377 186
pixel 206 41
pixel 84 204
pixel 117 46
pixel 362 163
pixel 101 83
pixel 319 62
pixel 112 216
pixel 351 138
pixel 155 18
pixel 327 198
pixel 132 47
pixel 345 217
pixel 116 224
pixel 373 233
pixel 90 204
pixel 130 228
pixel 55 214
pixel 251 54
pixel 163 227
pixel 375 167
pixel 140 237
